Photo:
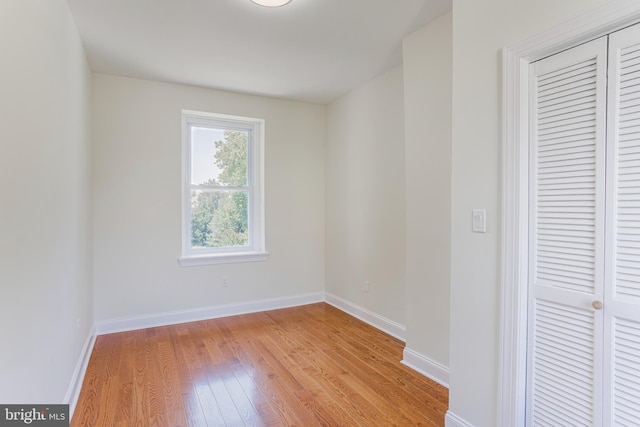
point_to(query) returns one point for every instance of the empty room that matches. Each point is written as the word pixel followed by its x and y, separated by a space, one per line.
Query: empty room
pixel 320 212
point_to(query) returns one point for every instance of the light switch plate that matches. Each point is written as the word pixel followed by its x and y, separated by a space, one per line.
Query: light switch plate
pixel 479 221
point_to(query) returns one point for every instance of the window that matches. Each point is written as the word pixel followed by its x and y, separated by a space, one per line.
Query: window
pixel 223 193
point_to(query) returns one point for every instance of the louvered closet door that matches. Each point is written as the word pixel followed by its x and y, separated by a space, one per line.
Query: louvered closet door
pixel 566 271
pixel 622 276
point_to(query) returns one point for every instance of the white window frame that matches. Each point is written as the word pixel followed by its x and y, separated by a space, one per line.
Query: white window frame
pixel 255 250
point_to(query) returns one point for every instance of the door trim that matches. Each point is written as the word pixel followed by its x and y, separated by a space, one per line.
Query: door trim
pixel 514 250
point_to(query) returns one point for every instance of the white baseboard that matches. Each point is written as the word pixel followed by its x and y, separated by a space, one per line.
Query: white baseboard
pixel 389 326
pixel 427 367
pixel 73 392
pixel 452 420
pixel 193 315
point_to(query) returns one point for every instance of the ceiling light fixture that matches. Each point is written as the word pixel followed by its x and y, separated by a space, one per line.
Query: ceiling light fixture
pixel 271 3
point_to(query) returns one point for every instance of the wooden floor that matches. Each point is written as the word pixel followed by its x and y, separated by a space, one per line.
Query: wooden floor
pixel 305 366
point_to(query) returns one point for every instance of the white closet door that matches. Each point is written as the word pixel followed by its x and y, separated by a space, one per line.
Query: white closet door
pixel 622 276
pixel 566 271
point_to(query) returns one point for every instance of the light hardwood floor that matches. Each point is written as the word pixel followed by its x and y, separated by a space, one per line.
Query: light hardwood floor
pixel 305 366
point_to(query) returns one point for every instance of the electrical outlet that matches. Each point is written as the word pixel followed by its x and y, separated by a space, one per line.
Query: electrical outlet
pixel 225 281
pixel 367 285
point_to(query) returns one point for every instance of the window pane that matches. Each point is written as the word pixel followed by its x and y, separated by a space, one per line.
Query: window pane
pixel 218 157
pixel 219 219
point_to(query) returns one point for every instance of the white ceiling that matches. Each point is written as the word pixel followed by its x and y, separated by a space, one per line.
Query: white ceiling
pixel 308 50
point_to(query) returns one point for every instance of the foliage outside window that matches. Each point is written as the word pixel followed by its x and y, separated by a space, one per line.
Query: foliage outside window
pixel 223 212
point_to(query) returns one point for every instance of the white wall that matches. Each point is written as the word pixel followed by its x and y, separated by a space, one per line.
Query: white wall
pixel 427 63
pixel 45 270
pixel 480 31
pixel 137 196
pixel 365 196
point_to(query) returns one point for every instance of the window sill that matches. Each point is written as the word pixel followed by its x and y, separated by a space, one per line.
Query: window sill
pixel 228 258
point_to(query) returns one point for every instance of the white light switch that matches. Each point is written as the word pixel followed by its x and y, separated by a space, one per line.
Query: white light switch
pixel 479 221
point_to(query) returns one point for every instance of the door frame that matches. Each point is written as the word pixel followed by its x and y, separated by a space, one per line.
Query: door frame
pixel 515 184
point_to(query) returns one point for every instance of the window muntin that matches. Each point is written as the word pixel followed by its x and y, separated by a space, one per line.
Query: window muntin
pixel 223 213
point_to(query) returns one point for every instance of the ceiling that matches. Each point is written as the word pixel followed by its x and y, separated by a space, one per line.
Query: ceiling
pixel 308 50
